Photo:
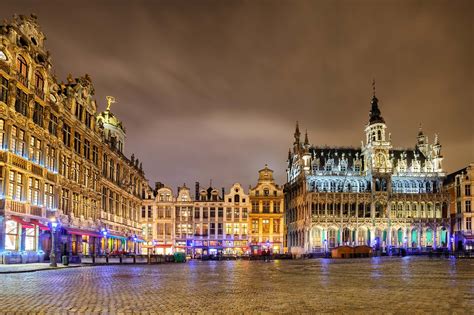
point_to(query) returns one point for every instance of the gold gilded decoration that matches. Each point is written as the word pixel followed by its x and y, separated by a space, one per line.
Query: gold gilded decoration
pixel 110 101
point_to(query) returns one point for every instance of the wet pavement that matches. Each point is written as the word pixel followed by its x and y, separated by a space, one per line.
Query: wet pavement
pixel 401 285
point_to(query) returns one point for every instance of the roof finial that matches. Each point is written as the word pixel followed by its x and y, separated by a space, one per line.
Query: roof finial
pixel 373 86
pixel 420 129
pixel 306 141
pixel 297 133
pixel 110 101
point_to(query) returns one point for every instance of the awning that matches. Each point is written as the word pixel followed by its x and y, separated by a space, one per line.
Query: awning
pixel 111 235
pixel 82 232
pixel 164 245
pixel 41 226
pixel 25 225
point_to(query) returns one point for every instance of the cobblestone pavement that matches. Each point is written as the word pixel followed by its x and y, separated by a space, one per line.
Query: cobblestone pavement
pixel 396 285
pixel 14 268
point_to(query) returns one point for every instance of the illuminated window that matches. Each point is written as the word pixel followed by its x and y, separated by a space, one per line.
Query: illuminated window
pixel 2 134
pixel 255 226
pixel 228 228
pixel 22 66
pixel 30 239
pixel 468 223
pixel 35 149
pixel 12 239
pixel 236 229
pixel 33 191
pixel 15 188
pixel 266 226
pixel 53 124
pixel 276 226
pixel 48 196
pixel 244 228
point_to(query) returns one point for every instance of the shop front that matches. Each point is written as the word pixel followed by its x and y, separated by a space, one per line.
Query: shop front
pixel 236 248
pixel 79 243
pixel 24 241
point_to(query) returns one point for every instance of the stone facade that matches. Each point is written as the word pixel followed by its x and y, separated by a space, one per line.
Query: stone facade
pixel 266 222
pixel 60 158
pixel 459 186
pixel 373 195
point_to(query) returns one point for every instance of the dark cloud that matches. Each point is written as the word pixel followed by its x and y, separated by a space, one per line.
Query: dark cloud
pixel 211 89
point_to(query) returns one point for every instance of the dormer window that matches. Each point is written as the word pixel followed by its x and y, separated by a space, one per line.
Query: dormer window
pixel 266 192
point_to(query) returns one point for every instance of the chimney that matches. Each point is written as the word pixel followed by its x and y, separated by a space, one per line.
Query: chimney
pixel 223 193
pixel 197 191
pixel 158 185
pixel 179 188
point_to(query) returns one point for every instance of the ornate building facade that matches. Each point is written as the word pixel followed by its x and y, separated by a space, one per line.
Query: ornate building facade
pixel 373 195
pixel 60 159
pixel 266 218
pixel 459 186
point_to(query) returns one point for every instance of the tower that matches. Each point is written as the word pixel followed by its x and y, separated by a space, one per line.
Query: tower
pixel 377 147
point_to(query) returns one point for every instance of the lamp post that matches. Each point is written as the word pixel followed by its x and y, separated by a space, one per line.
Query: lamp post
pixel 106 246
pixel 52 255
pixel 134 244
pixel 325 247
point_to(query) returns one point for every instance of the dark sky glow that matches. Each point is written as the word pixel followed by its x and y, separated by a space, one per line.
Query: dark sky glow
pixel 212 89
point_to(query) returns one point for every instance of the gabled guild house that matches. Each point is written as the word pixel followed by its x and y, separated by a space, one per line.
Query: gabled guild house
pixel 62 165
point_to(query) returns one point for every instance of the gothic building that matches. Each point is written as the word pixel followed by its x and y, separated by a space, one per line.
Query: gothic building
pixel 374 195
pixel 60 158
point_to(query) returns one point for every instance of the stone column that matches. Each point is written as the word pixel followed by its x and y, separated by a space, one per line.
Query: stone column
pixel 22 239
pixel 435 238
pixel 356 234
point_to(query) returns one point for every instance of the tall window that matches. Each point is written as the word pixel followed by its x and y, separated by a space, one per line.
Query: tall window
pixel 21 102
pixel 276 226
pixel 468 223
pixel 33 191
pixel 87 148
pixel 254 226
pixel 12 239
pixel 77 142
pixel 95 155
pixel 88 120
pixel 17 141
pixel 75 171
pixel 64 200
pixel 39 84
pixel 48 196
pixel 15 189
pixel 22 67
pixel 50 161
pixel 468 206
pixel 38 115
pixel 2 134
pixel 79 111
pixel 228 228
pixel 467 190
pixel 53 125
pixel 66 135
pixel 266 207
pixel 104 165
pixel 35 149
pixel 3 90
pixel 244 228
pixel 266 226
pixel 75 203
pixel 276 206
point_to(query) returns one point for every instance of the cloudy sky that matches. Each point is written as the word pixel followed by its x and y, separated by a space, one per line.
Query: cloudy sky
pixel 212 89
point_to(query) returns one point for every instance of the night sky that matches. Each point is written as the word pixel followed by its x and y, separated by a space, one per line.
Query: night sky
pixel 212 89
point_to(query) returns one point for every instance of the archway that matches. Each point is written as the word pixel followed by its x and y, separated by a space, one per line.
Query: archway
pixel 414 238
pixel 346 236
pixel 362 236
pixel 429 237
pixel 332 238
pixel 443 237
pixel 400 237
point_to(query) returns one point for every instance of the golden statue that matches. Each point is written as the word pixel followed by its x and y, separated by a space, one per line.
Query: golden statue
pixel 110 101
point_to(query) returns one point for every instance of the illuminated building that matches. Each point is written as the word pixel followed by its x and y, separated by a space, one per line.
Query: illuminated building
pixel 375 195
pixel 266 230
pixel 60 158
pixel 158 220
pixel 459 185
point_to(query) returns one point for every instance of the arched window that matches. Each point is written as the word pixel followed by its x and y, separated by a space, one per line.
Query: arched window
pixel 379 135
pixel 236 198
pixel 22 66
pixel 39 82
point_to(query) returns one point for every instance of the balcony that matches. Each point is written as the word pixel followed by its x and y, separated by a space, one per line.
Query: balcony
pixel 24 208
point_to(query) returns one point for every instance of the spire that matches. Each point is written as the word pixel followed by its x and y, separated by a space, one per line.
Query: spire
pixel 420 130
pixel 306 141
pixel 375 115
pixel 297 133
pixel 436 139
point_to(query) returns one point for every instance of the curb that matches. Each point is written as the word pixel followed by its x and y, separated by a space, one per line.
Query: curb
pixel 35 270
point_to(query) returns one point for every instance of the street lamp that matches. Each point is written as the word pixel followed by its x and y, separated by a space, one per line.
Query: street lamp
pixel 106 246
pixel 52 256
